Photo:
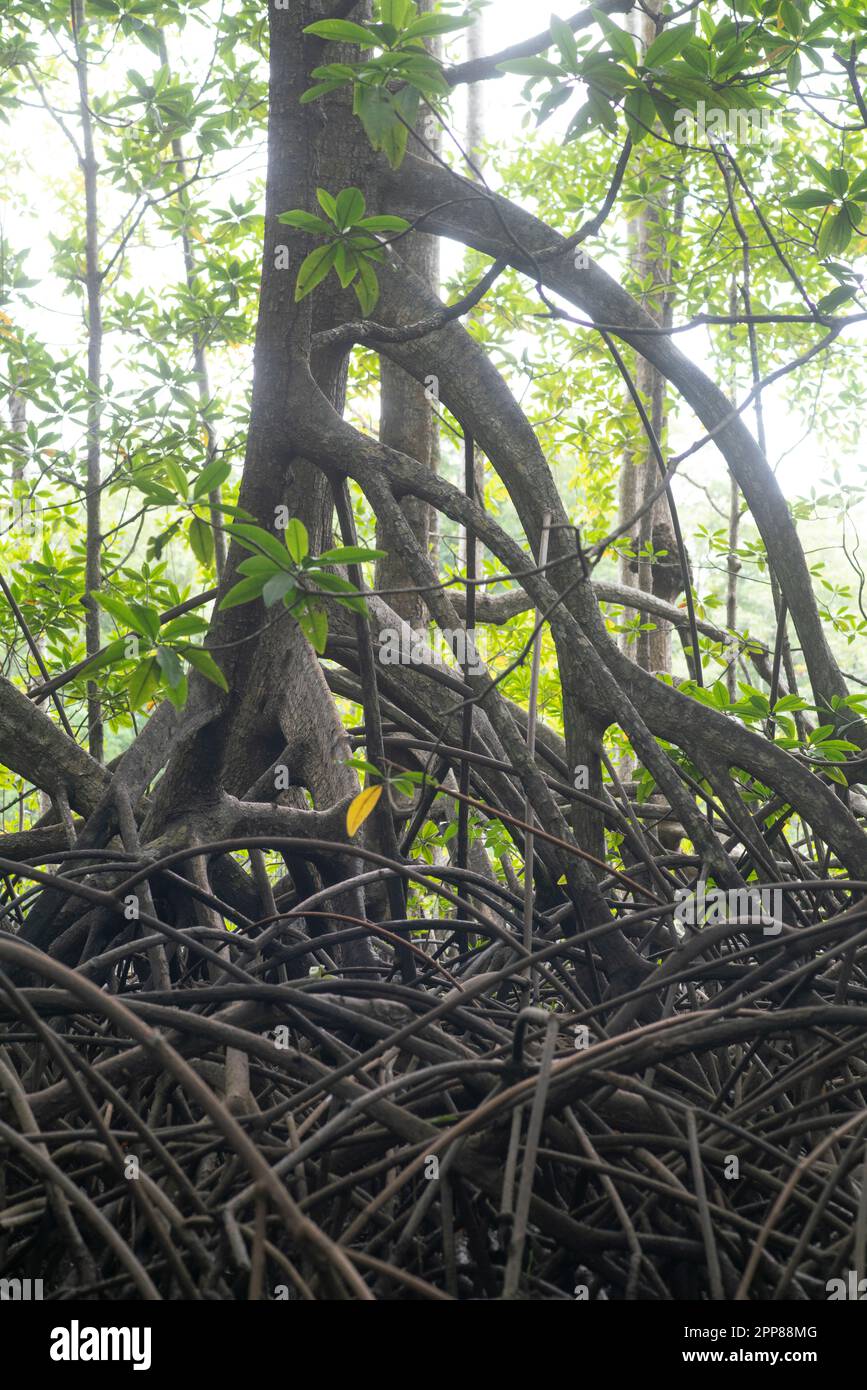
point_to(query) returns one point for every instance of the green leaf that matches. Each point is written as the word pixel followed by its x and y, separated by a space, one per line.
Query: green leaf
pixel 406 786
pixel 640 114
pixel 332 583
pixel 327 203
pixel 204 663
pixel 170 665
pixel 425 74
pixel 143 682
pixel 551 100
pixel 314 625
pixel 244 592
pixel 394 143
pixel 595 111
pixel 819 735
pixel 832 301
pixel 277 587
pixel 791 19
pixel 386 34
pixel 374 109
pixel 314 269
pixel 698 56
pixel 532 67
pixel 261 564
pixel 789 702
pixel 815 58
pixel 681 84
pixel 834 234
pixel 119 610
pixel 319 89
pixel 318 630
pixel 177 477
pixel 383 223
pixel 366 287
pixel 810 198
pixel 211 478
pixel 147 620
pixel 429 24
pixel 115 651
pixel 297 539
pixel 306 222
pixel 155 492
pixel 346 593
pixel 388 118
pixel 336 72
pixel 730 60
pixel 824 176
pixel 565 41
pixel 349 555
pixel 362 241
pixel 349 207
pixel 260 541
pixel 345 265
pixel 838 181
pixel 396 12
pixel 184 626
pixel 178 693
pixel 668 45
pixel 605 77
pixel 858 188
pixel 341 31
pixel 362 765
pixel 201 539
pixel 621 43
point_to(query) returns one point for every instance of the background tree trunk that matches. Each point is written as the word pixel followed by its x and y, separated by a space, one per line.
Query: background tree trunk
pixel 93 286
pixel 648 569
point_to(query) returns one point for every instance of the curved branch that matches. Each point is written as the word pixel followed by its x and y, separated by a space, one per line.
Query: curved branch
pixel 418 185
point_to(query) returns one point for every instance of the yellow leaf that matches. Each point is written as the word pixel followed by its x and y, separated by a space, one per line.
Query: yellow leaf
pixel 361 807
pixel 4 318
